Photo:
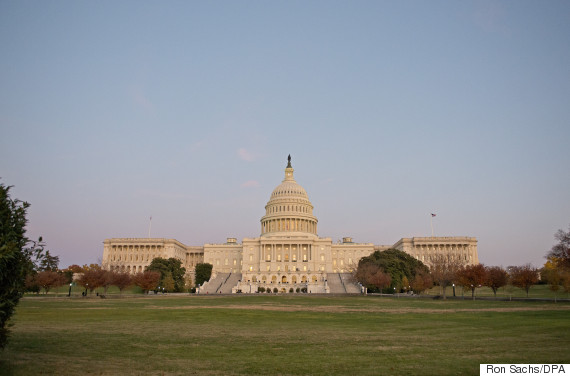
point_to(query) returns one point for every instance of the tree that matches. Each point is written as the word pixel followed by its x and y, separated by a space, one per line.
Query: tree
pixel 524 277
pixel 203 273
pixel 405 283
pixel 471 276
pixel 121 280
pixel 396 263
pixel 48 279
pixel 565 281
pixel 421 282
pixel 561 251
pixel 76 269
pixel 49 262
pixel 92 279
pixel 166 267
pixel 370 275
pixel 31 283
pixel 107 279
pixel 147 280
pixel 16 256
pixel 553 275
pixel 497 277
pixel 168 283
pixel 444 271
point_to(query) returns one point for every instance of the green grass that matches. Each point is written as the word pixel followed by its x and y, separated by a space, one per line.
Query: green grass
pixel 536 291
pixel 280 335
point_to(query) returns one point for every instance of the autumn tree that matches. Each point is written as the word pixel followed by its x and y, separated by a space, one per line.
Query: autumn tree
pixel 524 277
pixel 496 277
pixel 471 276
pixel 203 273
pixel 405 283
pixel 107 280
pixel 48 279
pixel 444 271
pixel 76 269
pixel 31 283
pixel 561 251
pixel 372 277
pixel 147 280
pixel 92 278
pixel 421 282
pixel 121 280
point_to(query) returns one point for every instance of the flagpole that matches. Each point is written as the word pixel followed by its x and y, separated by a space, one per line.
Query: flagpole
pixel 149 225
pixel 431 224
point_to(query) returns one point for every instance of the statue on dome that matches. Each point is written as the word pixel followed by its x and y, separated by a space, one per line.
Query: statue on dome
pixel 289 161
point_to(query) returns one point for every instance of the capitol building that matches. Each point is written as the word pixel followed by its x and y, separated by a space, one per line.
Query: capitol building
pixel 288 255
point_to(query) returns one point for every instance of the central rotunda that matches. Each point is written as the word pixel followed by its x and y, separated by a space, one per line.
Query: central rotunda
pixel 289 208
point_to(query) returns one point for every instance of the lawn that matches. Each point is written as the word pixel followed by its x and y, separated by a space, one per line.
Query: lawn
pixel 280 335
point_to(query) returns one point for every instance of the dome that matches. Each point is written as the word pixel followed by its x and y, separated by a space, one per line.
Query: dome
pixel 289 208
pixel 289 188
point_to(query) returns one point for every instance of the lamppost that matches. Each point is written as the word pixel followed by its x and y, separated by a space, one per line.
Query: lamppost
pixel 454 290
pixel 69 294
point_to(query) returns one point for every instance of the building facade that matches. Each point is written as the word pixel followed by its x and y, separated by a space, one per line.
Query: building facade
pixel 287 256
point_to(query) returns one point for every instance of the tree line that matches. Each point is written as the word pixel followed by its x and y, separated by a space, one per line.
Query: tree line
pixel 162 275
pixel 393 271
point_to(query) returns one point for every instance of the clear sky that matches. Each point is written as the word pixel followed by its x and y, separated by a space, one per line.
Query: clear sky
pixel 112 112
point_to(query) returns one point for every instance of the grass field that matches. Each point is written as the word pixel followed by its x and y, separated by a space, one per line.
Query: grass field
pixel 280 335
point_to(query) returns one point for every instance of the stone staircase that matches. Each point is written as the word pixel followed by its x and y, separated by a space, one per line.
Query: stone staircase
pixel 350 284
pixel 213 285
pixel 230 282
pixel 221 284
pixel 335 283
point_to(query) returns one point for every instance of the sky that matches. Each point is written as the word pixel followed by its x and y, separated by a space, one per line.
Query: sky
pixel 115 112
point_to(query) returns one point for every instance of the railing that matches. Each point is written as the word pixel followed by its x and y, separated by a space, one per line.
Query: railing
pixel 342 282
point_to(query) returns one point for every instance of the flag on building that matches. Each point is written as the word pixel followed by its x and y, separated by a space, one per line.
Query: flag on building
pixel 433 215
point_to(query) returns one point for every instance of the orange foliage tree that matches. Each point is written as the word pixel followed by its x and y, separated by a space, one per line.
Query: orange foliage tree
pixel 524 277
pixel 497 277
pixel 49 279
pixel 146 280
pixel 471 276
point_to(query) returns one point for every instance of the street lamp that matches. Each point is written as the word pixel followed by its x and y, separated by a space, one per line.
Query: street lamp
pixel 70 289
pixel 454 290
